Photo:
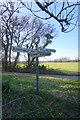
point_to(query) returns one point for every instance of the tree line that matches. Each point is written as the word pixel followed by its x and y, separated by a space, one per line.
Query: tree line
pixel 19 28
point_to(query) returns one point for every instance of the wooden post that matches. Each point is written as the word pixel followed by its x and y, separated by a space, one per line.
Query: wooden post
pixel 37 73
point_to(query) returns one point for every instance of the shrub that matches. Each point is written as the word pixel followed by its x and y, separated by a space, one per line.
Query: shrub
pixel 6 86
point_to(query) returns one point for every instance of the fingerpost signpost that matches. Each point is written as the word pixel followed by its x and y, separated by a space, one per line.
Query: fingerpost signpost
pixel 37 52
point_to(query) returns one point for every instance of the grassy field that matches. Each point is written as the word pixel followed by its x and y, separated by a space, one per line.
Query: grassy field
pixel 59 98
pixel 71 68
pixel 65 68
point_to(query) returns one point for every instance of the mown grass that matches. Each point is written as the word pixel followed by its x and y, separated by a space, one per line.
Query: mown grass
pixel 58 98
pixel 65 68
pixel 71 68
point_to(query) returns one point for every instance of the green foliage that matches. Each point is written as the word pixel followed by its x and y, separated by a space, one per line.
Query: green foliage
pixel 63 68
pixel 58 97
pixel 5 86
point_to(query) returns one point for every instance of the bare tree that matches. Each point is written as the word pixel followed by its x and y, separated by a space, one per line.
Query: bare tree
pixel 64 12
pixel 19 30
pixel 8 24
pixel 40 29
pixel 13 26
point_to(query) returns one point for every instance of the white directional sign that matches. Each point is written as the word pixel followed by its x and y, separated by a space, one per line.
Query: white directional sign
pixel 47 50
pixel 40 52
pixel 23 50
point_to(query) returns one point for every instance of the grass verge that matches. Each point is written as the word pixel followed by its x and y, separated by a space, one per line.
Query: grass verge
pixel 59 98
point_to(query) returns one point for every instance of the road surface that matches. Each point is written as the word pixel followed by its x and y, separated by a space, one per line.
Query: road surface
pixel 56 76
